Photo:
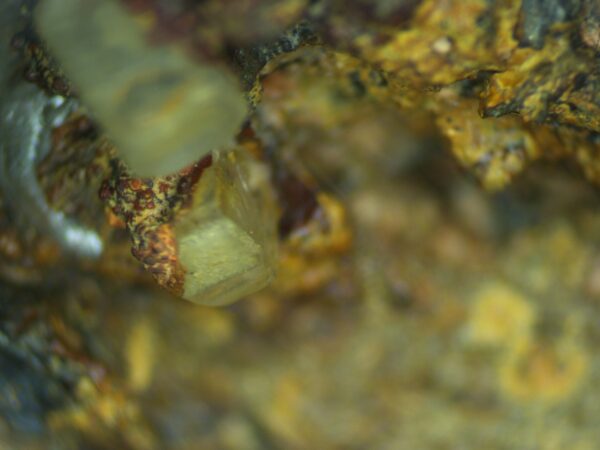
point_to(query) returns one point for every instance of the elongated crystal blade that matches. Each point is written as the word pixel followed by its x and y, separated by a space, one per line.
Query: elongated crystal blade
pixel 162 110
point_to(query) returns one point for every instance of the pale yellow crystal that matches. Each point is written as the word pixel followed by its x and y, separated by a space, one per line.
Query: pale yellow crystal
pixel 226 239
pixel 162 110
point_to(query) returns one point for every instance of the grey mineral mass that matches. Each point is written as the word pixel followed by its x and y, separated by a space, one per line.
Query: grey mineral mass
pixel 162 110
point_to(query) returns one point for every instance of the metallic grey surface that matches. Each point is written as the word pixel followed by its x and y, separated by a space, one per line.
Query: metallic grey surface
pixel 27 116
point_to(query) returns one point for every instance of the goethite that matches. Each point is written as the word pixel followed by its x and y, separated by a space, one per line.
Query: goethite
pixel 204 233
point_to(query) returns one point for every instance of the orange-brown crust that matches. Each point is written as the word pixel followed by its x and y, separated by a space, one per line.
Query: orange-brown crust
pixel 147 206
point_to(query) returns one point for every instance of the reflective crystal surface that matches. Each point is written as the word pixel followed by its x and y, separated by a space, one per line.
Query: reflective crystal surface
pixel 226 239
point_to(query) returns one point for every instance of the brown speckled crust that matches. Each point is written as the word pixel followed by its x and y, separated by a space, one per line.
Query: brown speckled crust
pixel 40 67
pixel 156 247
pixel 146 207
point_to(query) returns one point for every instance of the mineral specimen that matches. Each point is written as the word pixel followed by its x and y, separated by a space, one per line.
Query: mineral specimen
pixel 433 166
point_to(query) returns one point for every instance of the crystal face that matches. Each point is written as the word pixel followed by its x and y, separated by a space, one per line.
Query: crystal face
pixel 226 238
pixel 162 110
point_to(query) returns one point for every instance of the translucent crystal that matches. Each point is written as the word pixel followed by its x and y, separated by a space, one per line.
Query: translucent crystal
pixel 161 109
pixel 226 238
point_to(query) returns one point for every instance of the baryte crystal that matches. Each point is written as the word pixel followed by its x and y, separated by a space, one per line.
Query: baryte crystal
pixel 226 237
pixel 162 110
